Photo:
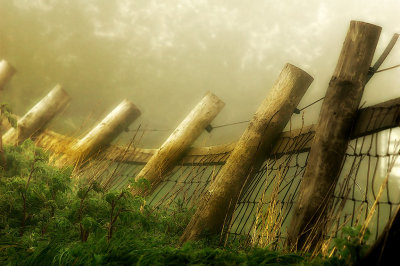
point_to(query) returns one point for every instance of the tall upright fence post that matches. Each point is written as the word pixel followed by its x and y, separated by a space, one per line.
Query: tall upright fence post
pixel 217 204
pixel 106 131
pixel 39 116
pixel 179 142
pixel 337 115
pixel 6 72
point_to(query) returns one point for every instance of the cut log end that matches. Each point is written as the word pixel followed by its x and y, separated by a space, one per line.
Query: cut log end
pixel 106 131
pixel 180 141
pixel 298 72
pixel 39 116
pixel 6 72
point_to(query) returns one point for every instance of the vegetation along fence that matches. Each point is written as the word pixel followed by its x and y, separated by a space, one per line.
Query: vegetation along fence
pixel 271 187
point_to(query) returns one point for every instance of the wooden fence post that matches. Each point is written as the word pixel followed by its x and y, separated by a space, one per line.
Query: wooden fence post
pixel 39 116
pixel 179 141
pixel 6 72
pixel 336 118
pixel 106 131
pixel 258 140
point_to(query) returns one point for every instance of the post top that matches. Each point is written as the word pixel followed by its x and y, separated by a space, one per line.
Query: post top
pixel 365 24
pixel 296 70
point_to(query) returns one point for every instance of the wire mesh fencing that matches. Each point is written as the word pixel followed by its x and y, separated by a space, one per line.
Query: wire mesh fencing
pixel 268 198
pixel 264 209
pixel 187 182
pixel 276 185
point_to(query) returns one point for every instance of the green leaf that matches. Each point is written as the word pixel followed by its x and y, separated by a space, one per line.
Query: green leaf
pixel 97 187
pixel 111 196
pixel 141 184
pixel 89 223
pixel 82 192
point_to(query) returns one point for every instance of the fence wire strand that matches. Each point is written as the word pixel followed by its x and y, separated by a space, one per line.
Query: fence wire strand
pixel 364 167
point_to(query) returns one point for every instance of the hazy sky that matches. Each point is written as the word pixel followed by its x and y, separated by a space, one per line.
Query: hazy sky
pixel 165 55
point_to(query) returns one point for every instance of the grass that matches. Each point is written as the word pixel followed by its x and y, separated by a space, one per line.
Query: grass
pixel 269 217
pixel 47 218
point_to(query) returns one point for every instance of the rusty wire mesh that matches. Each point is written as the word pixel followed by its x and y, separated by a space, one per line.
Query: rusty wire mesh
pixel 364 167
pixel 187 182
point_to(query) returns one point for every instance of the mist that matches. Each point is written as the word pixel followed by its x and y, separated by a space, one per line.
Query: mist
pixel 165 55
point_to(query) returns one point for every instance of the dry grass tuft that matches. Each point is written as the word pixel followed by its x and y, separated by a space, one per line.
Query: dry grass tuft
pixel 269 218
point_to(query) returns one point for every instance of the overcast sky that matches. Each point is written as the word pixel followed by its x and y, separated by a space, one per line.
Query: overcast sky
pixel 165 55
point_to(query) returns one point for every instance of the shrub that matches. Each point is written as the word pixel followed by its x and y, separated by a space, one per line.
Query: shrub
pixel 46 219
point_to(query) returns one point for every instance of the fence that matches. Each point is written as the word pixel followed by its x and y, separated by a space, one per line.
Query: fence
pixel 269 198
pixel 364 168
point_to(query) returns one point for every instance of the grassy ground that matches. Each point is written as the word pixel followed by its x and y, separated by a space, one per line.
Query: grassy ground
pixel 47 219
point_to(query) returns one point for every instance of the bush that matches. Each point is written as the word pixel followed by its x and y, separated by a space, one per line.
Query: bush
pixel 45 219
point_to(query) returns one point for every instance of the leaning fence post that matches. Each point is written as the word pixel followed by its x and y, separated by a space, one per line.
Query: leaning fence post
pixel 255 144
pixel 39 116
pixel 331 138
pixel 6 72
pixel 179 141
pixel 106 131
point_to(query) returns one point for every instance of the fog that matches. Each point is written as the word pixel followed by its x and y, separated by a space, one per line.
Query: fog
pixel 165 55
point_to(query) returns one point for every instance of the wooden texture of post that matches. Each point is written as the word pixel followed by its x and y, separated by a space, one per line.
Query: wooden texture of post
pixel 6 72
pixel 258 140
pixel 336 118
pixel 106 131
pixel 39 116
pixel 179 141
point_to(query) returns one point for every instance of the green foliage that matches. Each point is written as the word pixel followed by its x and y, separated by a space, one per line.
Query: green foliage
pixel 352 245
pixel 30 190
pixel 6 112
pixel 45 219
pixel 141 184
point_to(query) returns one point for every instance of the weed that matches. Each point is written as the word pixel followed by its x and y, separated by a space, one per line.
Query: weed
pixel 45 219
